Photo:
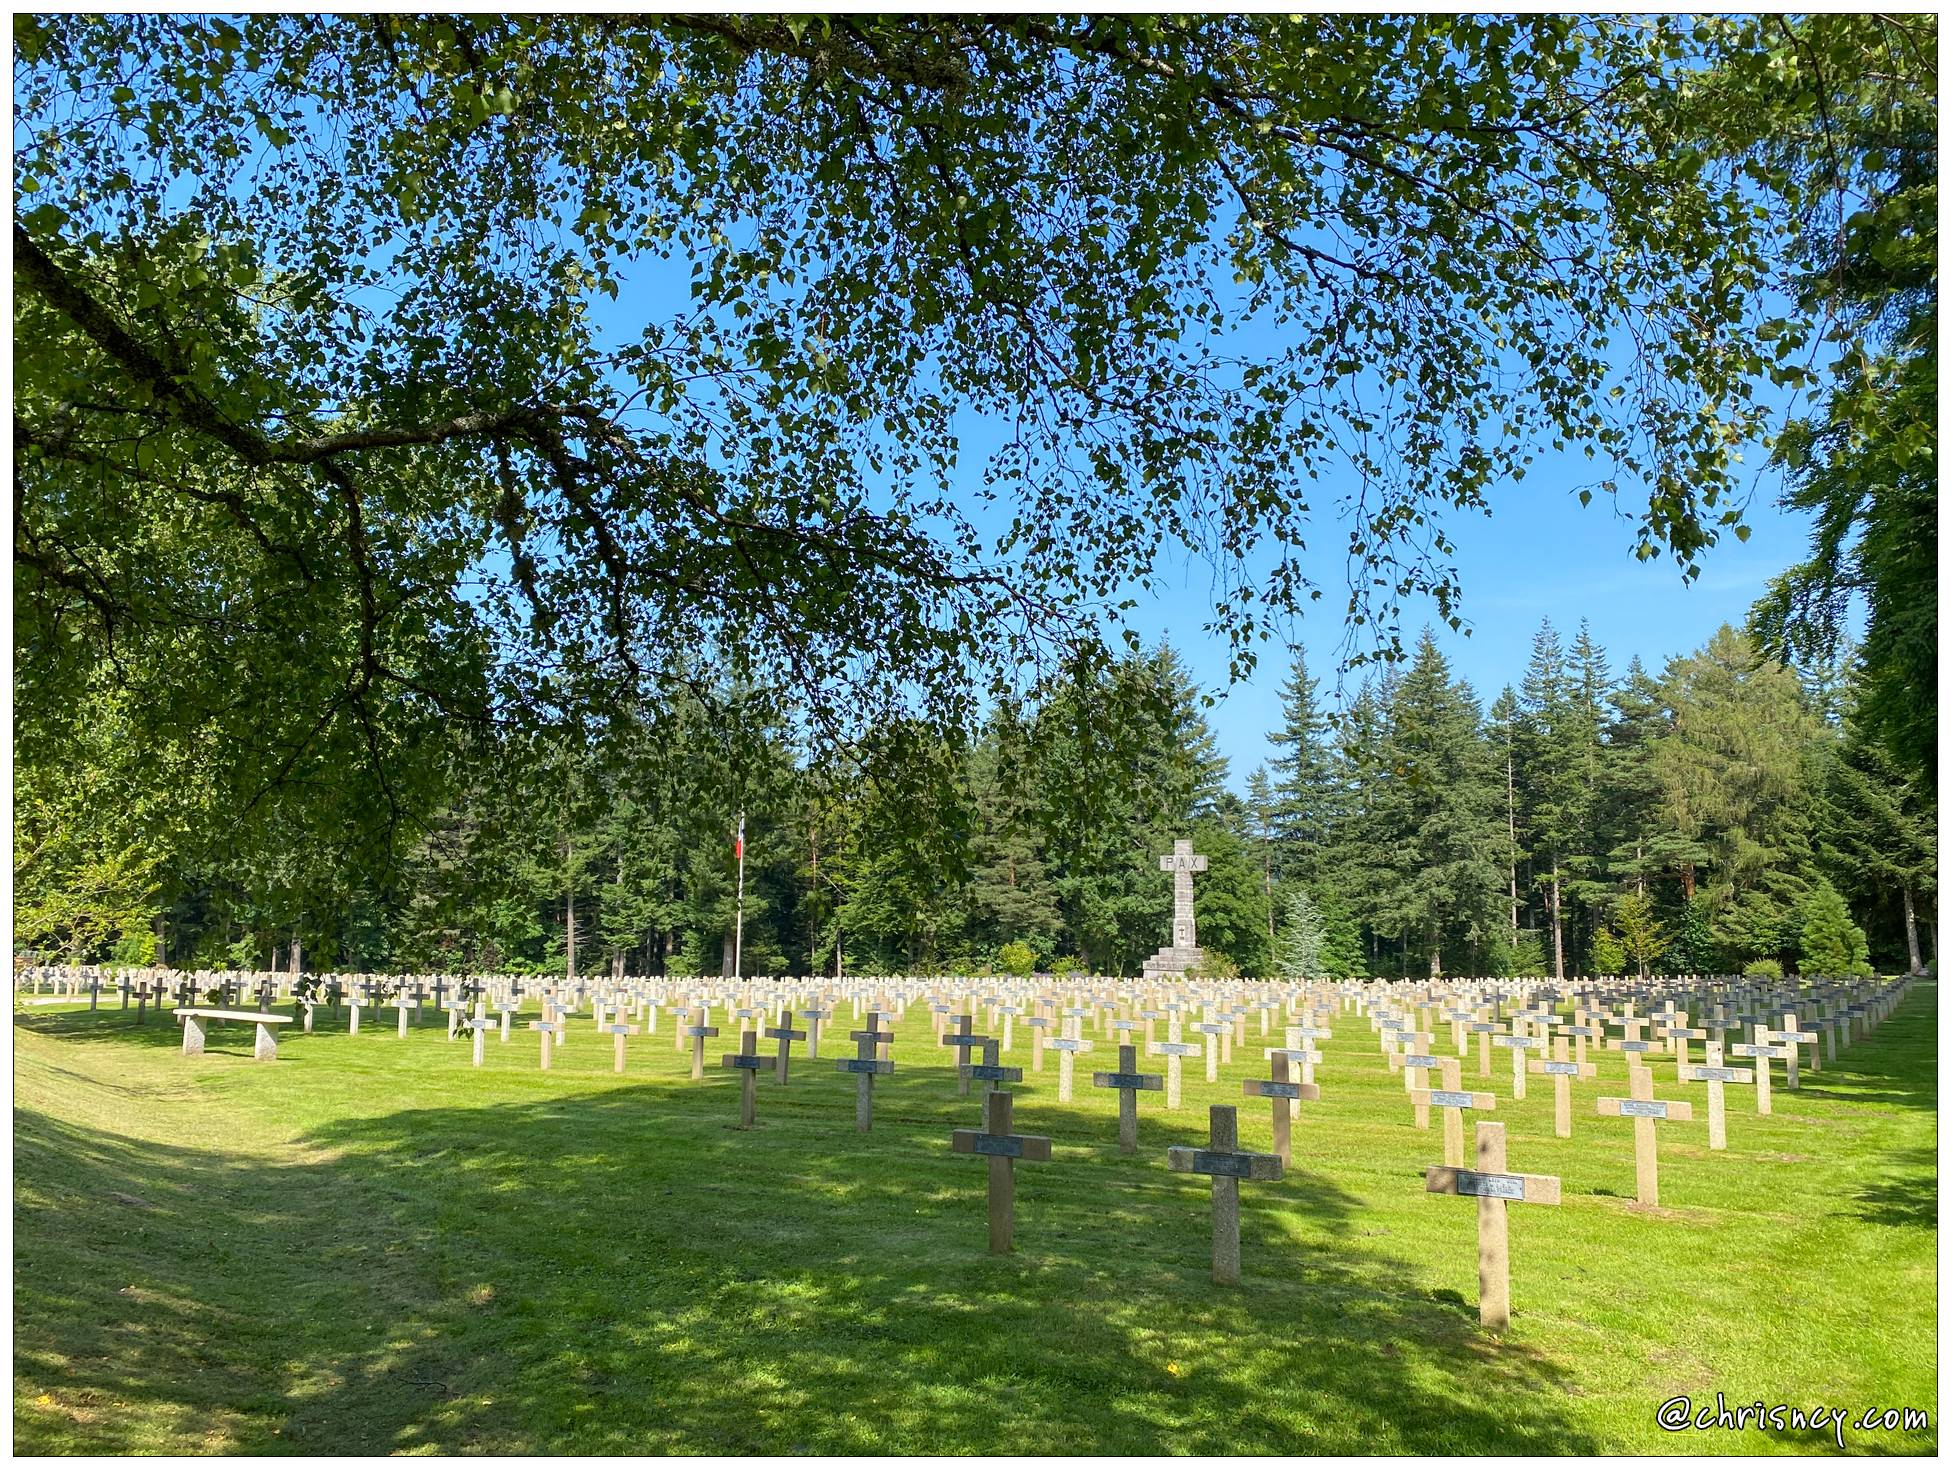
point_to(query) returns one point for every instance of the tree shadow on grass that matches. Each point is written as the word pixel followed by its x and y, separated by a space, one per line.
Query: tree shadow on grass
pixel 1907 1196
pixel 621 1272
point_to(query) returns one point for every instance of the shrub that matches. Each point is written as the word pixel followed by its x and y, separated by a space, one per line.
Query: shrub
pixel 1016 958
pixel 1763 970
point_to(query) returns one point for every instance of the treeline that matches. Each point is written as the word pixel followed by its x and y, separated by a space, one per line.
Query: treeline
pixel 1725 814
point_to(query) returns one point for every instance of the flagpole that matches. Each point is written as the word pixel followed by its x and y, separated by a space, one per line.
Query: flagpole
pixel 738 931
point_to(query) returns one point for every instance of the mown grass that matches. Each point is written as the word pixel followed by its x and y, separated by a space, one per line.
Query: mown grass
pixel 370 1246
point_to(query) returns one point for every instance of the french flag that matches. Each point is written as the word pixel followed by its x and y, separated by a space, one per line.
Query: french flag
pixel 739 848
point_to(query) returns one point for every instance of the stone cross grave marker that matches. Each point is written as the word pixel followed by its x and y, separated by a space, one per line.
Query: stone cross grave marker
pixel 1452 1099
pixel 1284 1096
pixel 1678 1033
pixel 990 1069
pixel 547 1028
pixel 866 1067
pixel 1716 1076
pixel 812 1016
pixel 1760 1049
pixel 1223 1162
pixel 1493 1190
pixel 1002 1148
pixel 698 1031
pixel 1561 1069
pixel 1645 1111
pixel 746 1061
pixel 1519 1045
pixel 1212 1031
pixel 1173 1052
pixel 478 1024
pixel 1067 1048
pixel 962 1038
pixel 1796 1038
pixel 1483 1028
pixel 1130 1082
pixel 620 1030
pixel 784 1034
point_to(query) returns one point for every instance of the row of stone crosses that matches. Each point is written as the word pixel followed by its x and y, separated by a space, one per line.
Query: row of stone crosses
pixel 1780 1019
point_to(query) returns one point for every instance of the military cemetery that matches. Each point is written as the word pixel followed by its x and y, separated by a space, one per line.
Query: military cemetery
pixel 787 735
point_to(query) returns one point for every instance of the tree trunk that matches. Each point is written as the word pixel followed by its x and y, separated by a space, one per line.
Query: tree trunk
pixel 1910 932
pixel 569 930
pixel 162 948
pixel 1687 881
pixel 1510 821
pixel 297 957
pixel 1557 924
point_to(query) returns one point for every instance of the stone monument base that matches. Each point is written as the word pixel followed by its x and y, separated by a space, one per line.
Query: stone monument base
pixel 1174 960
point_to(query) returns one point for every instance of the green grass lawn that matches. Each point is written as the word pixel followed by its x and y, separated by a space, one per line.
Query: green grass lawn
pixel 369 1246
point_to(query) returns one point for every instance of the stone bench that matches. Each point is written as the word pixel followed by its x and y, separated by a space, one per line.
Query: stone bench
pixel 267 1039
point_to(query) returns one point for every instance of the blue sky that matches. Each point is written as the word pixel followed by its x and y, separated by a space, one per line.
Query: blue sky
pixel 1540 554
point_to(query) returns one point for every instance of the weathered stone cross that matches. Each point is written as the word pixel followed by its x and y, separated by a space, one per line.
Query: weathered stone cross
pixel 1222 1160
pixel 1130 1082
pixel 1002 1148
pixel 747 1061
pixel 784 1034
pixel 866 1067
pixel 1493 1188
pixel 1285 1095
pixel 962 1038
pixel 698 1031
pixel 1643 1109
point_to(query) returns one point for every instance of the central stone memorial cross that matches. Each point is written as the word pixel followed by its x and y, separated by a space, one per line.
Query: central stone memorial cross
pixel 698 1031
pixel 1493 1189
pixel 1644 1110
pixel 784 1034
pixel 1227 1166
pixel 1002 1148
pixel 1130 1082
pixel 962 1038
pixel 866 1067
pixel 747 1061
pixel 1285 1095
pixel 1183 952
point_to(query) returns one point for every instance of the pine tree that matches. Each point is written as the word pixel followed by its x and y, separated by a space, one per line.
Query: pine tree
pixel 1301 950
pixel 1832 943
pixel 1306 792
pixel 1436 817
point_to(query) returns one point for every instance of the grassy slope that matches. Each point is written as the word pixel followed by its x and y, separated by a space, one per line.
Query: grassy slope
pixel 372 1247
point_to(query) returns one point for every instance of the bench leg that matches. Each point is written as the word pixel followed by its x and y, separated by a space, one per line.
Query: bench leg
pixel 267 1044
pixel 192 1036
